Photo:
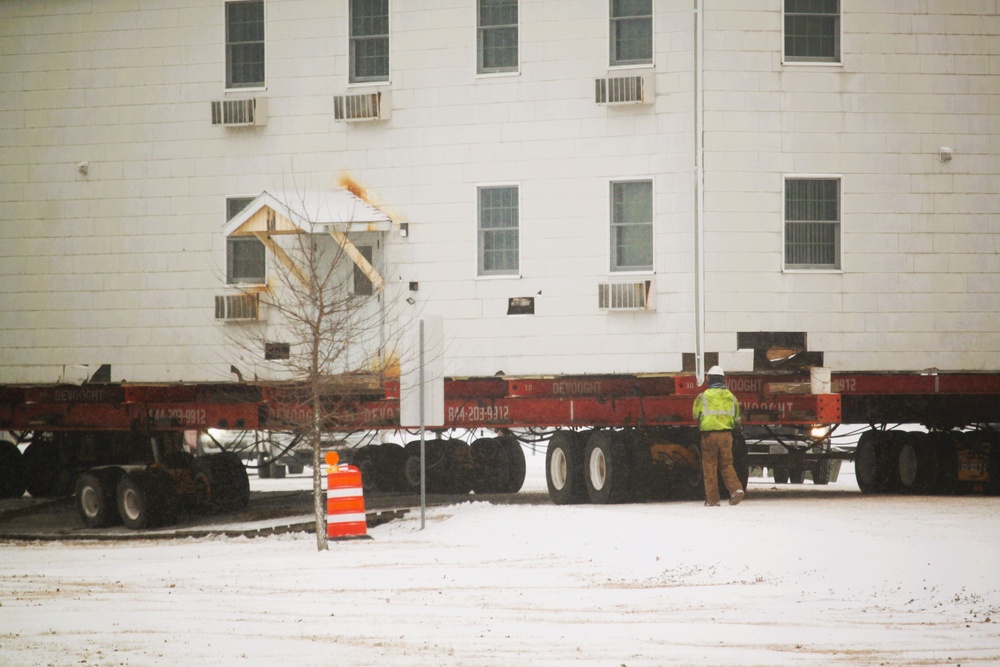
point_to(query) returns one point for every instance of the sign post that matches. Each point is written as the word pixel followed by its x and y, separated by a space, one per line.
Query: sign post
pixel 421 389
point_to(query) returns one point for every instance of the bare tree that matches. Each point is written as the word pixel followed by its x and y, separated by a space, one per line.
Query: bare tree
pixel 328 333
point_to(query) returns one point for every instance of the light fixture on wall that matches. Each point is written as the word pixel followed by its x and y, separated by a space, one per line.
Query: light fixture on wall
pixel 944 154
pixel 82 168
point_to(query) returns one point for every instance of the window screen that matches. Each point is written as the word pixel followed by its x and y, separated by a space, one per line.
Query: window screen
pixel 244 44
pixel 812 223
pixel 812 30
pixel 369 40
pixel 632 226
pixel 498 230
pixel 497 36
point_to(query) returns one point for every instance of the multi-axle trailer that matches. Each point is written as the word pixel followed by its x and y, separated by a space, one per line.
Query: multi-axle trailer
pixel 121 449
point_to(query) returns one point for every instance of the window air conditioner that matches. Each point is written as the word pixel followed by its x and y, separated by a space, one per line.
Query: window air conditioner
pixel 235 307
pixel 361 106
pixel 240 113
pixel 631 89
pixel 625 296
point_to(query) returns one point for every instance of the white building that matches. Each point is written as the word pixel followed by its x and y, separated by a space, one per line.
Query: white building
pixel 538 154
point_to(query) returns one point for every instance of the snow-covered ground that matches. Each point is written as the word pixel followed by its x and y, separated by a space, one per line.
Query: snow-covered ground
pixel 794 576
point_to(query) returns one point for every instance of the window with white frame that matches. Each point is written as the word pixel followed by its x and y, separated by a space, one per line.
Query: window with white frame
pixel 632 225
pixel 369 40
pixel 498 230
pixel 496 37
pixel 812 30
pixel 812 223
pixel 631 32
pixel 246 257
pixel 245 44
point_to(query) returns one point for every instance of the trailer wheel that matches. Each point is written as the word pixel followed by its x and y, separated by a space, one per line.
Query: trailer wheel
pixel 780 475
pixel 944 447
pixel 564 468
pixel 866 462
pixel 822 473
pixel 796 476
pixel 411 467
pixel 458 467
pixel 225 482
pixel 365 459
pixel 489 466
pixel 389 467
pixel 96 497
pixel 606 470
pixel 516 466
pixel 11 471
pixel 145 499
pixel 741 464
pixel 437 463
pixel 917 463
pixel 44 474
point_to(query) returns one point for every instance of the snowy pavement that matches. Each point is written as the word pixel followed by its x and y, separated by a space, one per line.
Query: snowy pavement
pixel 793 576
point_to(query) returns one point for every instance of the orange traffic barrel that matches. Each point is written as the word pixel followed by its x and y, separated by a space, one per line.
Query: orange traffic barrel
pixel 345 503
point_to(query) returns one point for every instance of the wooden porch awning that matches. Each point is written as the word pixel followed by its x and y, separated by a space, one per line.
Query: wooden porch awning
pixel 336 212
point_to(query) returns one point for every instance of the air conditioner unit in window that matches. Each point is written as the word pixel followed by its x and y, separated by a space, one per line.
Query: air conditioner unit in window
pixel 625 295
pixel 625 89
pixel 234 307
pixel 361 106
pixel 240 113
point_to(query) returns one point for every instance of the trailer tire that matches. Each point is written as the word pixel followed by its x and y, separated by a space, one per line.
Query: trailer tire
pixel 96 497
pixel 145 499
pixel 867 462
pixel 823 473
pixel 437 454
pixel 11 470
pixel 564 468
pixel 606 468
pixel 917 463
pixel 224 478
pixel 489 463
pixel 741 464
pixel 780 475
pixel 389 467
pixel 516 465
pixel 365 459
pixel 44 474
pixel 944 446
pixel 458 467
pixel 796 476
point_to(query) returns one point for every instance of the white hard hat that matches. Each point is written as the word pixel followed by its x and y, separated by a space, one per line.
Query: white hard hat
pixel 716 370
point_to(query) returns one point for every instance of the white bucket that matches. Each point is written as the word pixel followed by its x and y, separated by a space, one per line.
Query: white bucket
pixel 819 377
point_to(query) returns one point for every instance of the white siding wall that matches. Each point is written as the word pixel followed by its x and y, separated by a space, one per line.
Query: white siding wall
pixel 121 266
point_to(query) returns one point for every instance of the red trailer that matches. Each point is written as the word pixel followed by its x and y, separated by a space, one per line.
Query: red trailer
pixel 611 438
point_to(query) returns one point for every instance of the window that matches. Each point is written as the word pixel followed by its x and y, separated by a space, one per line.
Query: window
pixel 631 32
pixel 362 283
pixel 498 230
pixel 369 40
pixel 632 226
pixel 244 44
pixel 812 223
pixel 245 255
pixel 497 36
pixel 812 30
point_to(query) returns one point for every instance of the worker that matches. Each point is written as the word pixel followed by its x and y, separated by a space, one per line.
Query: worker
pixel 718 415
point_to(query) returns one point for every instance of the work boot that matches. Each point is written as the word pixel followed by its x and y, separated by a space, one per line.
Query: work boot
pixel 736 497
pixel 708 504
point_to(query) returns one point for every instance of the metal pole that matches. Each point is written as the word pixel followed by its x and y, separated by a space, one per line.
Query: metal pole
pixel 699 192
pixel 423 448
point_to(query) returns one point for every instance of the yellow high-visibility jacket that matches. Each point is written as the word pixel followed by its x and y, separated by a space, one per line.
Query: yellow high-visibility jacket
pixel 716 409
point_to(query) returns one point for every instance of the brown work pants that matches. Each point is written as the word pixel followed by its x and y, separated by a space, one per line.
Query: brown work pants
pixel 717 458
